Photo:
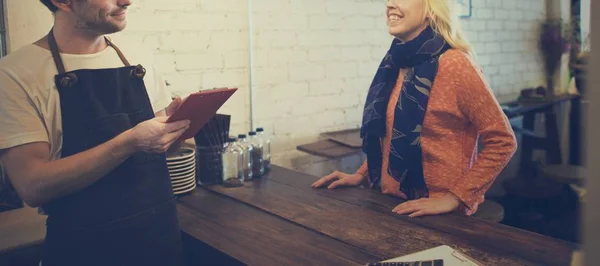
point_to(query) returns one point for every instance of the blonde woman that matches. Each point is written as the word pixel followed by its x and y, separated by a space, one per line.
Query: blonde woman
pixel 426 109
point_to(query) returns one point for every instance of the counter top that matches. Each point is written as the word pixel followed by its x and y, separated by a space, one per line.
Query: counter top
pixel 279 219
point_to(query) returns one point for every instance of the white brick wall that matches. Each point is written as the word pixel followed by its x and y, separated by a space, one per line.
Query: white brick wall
pixel 199 44
pixel 503 33
pixel 313 60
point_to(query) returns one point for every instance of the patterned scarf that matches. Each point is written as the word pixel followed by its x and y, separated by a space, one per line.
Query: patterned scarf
pixel 421 56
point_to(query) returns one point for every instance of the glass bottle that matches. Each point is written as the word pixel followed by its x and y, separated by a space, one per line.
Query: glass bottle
pixel 232 164
pixel 266 148
pixel 258 167
pixel 247 164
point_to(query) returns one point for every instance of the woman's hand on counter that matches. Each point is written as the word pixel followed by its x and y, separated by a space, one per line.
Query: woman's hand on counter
pixel 339 179
pixel 429 206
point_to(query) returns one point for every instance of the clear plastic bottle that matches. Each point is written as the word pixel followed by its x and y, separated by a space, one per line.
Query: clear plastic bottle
pixel 258 167
pixel 233 164
pixel 248 149
pixel 260 132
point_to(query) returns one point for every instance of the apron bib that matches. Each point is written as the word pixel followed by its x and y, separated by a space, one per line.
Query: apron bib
pixel 129 216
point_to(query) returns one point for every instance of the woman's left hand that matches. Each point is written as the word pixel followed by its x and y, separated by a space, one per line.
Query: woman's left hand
pixel 429 206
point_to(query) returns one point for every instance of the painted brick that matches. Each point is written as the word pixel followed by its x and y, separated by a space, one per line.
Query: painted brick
pixel 195 61
pixel 308 7
pixel 172 5
pixel 282 56
pixel 228 78
pixel 184 41
pixel 229 41
pixel 360 22
pixel 306 72
pixel 494 25
pixel 346 38
pixel 326 22
pixel 236 59
pixel 509 4
pixel 357 53
pixel 341 70
pixel 260 57
pixel 183 84
pixel 329 118
pixel 164 62
pixel 289 91
pixel 326 54
pixel 358 84
pixel 316 38
pixel 326 87
pixel 225 6
pixel 484 13
pixel 368 69
pixel 270 6
pixel 501 13
pixel 269 39
pixel 271 75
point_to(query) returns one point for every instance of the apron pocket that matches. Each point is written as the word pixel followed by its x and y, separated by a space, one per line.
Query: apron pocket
pixel 108 127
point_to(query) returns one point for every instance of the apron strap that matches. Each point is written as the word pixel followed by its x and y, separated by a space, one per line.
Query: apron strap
pixel 59 62
pixel 111 44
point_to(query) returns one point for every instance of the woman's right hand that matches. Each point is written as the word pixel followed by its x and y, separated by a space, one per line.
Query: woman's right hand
pixel 339 179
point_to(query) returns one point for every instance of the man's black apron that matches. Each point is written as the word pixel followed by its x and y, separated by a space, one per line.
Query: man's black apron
pixel 129 216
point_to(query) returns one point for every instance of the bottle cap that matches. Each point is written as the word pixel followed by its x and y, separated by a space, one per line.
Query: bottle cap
pixel 252 133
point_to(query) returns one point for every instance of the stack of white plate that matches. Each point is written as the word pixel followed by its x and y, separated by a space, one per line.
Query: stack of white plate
pixel 182 169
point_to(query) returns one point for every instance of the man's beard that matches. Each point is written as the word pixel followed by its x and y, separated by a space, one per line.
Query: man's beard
pixel 100 27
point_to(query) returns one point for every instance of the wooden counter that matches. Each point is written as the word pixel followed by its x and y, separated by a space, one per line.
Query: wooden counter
pixel 280 220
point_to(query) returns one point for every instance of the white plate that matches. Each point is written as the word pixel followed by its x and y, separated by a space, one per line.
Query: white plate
pixel 181 162
pixel 178 182
pixel 181 167
pixel 185 189
pixel 183 185
pixel 180 174
pixel 183 176
pixel 181 154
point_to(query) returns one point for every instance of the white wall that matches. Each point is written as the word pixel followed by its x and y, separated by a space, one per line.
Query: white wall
pixel 585 19
pixel 313 60
pixel 26 22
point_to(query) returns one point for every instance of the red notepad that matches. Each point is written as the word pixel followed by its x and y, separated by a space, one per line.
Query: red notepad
pixel 199 107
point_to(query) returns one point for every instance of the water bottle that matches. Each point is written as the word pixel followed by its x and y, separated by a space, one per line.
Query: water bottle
pixel 266 148
pixel 233 175
pixel 247 149
pixel 258 167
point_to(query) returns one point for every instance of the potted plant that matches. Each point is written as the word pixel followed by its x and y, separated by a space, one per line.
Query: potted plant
pixel 554 42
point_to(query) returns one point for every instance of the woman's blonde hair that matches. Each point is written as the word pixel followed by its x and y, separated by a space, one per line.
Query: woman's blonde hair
pixel 443 20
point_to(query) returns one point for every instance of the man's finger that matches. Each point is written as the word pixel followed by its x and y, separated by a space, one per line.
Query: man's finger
pixel 177 126
pixel 173 136
pixel 173 106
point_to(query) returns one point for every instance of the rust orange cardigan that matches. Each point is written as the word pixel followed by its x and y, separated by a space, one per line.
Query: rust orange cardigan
pixel 461 109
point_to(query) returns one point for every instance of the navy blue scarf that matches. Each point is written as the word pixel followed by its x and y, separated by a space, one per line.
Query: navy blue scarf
pixel 421 56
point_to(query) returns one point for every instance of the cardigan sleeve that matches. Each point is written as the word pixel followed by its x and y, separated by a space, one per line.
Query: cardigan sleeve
pixel 478 104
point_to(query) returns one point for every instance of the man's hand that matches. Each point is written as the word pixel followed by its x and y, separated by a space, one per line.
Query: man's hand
pixel 429 206
pixel 155 135
pixel 170 110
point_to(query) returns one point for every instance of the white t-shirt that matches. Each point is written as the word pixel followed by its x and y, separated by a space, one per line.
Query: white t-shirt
pixel 29 100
